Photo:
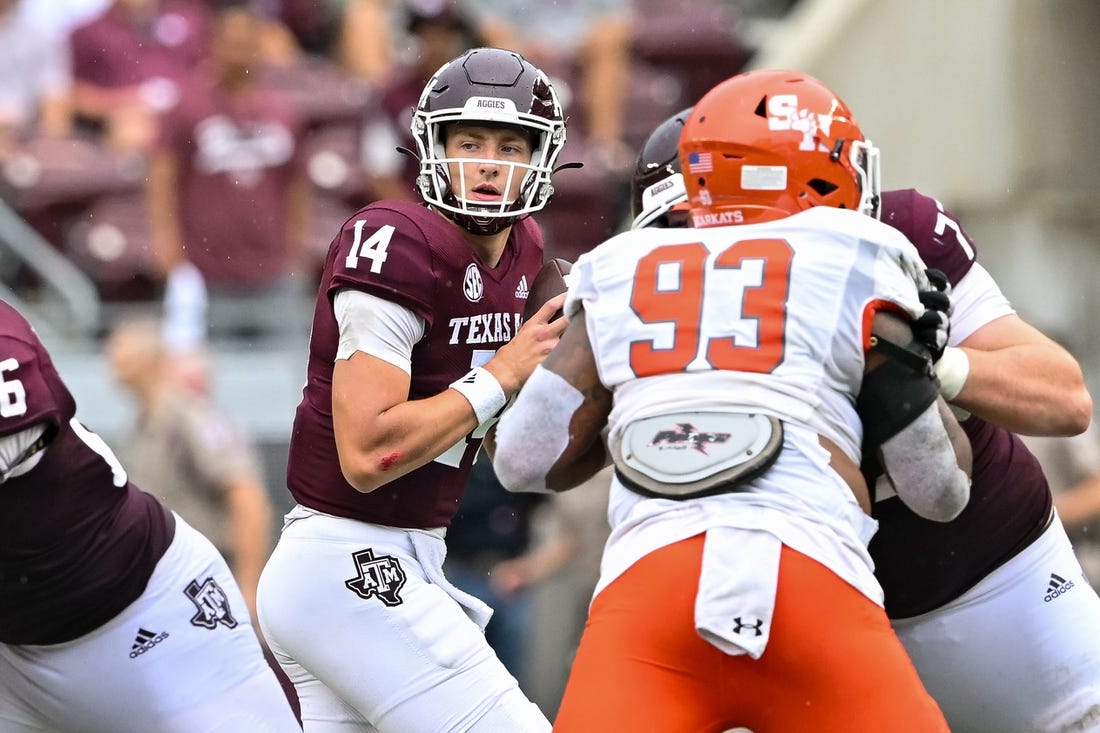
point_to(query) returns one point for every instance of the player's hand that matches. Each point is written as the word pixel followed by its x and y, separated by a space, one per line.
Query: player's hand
pixel 514 362
pixel 933 327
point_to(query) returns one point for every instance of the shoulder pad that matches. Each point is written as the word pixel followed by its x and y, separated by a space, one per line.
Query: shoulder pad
pixel 934 231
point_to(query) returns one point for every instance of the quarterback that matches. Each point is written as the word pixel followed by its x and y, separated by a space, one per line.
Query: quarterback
pixel 417 344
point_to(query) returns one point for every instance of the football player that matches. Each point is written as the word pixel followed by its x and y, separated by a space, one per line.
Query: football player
pixel 728 361
pixel 993 607
pixel 1003 569
pixel 116 616
pixel 417 345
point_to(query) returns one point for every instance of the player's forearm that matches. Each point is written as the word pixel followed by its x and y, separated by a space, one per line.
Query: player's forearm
pixel 404 438
pixel 1032 389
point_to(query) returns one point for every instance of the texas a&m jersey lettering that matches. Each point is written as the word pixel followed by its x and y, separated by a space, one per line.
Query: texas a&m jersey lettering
pixel 484 328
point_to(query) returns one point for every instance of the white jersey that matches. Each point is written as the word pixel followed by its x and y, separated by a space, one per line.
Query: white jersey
pixel 769 318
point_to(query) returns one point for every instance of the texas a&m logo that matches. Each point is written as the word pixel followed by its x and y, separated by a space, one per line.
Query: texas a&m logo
pixel 380 576
pixel 212 603
pixel 686 436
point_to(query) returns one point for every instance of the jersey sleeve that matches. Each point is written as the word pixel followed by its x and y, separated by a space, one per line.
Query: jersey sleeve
pixel 934 231
pixel 25 394
pixel 976 300
pixel 898 273
pixel 580 284
pixel 377 327
pixel 385 253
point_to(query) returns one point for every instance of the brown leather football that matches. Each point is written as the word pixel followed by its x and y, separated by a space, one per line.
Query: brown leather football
pixel 549 281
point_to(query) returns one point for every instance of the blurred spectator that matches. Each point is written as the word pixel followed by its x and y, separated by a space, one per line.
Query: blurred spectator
pixel 485 540
pixel 191 456
pixel 438 32
pixel 586 43
pixel 128 63
pixel 59 17
pixel 314 24
pixel 1072 468
pixel 228 191
pixel 364 45
pixel 354 34
pixel 35 79
pixel 278 45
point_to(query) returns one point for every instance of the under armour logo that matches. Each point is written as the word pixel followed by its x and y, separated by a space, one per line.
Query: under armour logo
pixel 758 627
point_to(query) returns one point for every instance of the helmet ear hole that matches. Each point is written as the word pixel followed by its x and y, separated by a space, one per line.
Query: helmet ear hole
pixel 822 187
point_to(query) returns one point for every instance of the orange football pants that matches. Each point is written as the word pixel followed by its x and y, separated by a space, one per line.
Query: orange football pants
pixel 832 663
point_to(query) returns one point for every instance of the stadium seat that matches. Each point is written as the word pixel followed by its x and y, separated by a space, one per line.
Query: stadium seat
pixel 110 241
pixel 700 42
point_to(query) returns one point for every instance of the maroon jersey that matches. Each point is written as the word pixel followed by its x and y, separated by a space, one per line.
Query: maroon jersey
pixel 923 564
pixel 113 50
pixel 409 254
pixel 238 156
pixel 78 542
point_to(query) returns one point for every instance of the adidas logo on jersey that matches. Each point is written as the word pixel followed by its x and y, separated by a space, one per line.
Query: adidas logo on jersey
pixel 144 641
pixel 523 291
pixel 1058 586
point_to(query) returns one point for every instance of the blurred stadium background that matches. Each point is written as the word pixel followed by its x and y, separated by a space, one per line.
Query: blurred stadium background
pixel 992 106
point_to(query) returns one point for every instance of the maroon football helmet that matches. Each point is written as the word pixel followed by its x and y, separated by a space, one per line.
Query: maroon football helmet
pixel 494 86
pixel 657 185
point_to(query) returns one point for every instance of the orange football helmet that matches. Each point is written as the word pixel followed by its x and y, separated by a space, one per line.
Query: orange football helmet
pixel 767 144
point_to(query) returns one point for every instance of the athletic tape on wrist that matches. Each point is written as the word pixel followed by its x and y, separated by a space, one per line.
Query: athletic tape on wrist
pixel 953 368
pixel 484 393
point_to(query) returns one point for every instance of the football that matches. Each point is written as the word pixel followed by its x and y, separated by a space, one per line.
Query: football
pixel 549 281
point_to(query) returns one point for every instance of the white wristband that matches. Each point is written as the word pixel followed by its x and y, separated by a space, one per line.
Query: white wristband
pixel 953 368
pixel 483 392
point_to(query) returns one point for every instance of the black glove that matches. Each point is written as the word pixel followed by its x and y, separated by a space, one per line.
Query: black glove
pixel 934 326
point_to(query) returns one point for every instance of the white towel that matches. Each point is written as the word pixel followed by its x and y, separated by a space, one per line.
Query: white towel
pixel 736 599
pixel 431 550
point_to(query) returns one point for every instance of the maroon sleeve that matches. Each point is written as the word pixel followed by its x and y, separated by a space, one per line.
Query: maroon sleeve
pixel 386 253
pixel 26 397
pixel 936 233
